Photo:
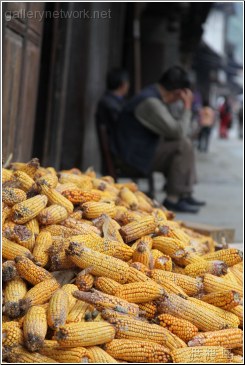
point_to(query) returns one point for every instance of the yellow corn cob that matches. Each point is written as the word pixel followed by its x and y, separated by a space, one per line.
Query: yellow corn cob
pixel 12 334
pixel 50 344
pixel 230 319
pixel 143 254
pixel 136 229
pixel 58 230
pixel 225 300
pixel 81 181
pixel 78 215
pixel 15 290
pixel 106 285
pixel 33 226
pixel 57 255
pixel 69 289
pixel 15 166
pixel 12 196
pixel 109 227
pixel 20 234
pixel 58 309
pixel 148 309
pixel 230 256
pixel 216 284
pixel 178 270
pixel 190 257
pixel 167 283
pixel 140 267
pixel 31 272
pixel 6 175
pixel 134 275
pixel 204 354
pixel 163 262
pixel 101 301
pixel 190 285
pixel 54 197
pixel 21 355
pixel 84 280
pixel 9 271
pixel 231 278
pixel 228 338
pixel 110 315
pixel 203 318
pixel 239 266
pixel 84 334
pixel 98 355
pixel 102 265
pixel 42 245
pixel 49 179
pixel 41 292
pixel 237 274
pixel 10 250
pixel 53 214
pixel 79 196
pixel 78 312
pixel 129 198
pixel 130 328
pixel 74 355
pixel 68 186
pixel 30 168
pixel 144 203
pixel 146 240
pixel 40 172
pixel 35 328
pixel 138 351
pixel 6 212
pixel 185 330
pixel 238 311
pixel 80 226
pixel 30 208
pixel 216 268
pixel 139 292
pixel 93 209
pixel 169 246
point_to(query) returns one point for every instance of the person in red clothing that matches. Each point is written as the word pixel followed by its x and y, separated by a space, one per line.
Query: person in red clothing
pixel 225 119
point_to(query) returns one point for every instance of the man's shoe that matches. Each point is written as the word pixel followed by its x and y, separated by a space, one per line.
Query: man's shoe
pixel 192 201
pixel 180 206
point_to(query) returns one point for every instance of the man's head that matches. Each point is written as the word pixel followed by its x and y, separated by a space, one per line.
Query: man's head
pixel 172 84
pixel 117 81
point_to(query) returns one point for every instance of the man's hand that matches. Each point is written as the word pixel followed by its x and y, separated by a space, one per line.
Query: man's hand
pixel 186 96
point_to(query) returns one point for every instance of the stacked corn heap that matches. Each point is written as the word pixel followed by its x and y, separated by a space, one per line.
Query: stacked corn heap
pixel 95 271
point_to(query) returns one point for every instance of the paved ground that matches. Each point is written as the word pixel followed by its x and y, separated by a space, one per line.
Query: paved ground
pixel 220 176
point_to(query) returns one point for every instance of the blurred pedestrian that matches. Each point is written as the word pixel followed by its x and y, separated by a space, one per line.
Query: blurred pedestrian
pixel 240 122
pixel 225 118
pixel 206 121
pixel 150 139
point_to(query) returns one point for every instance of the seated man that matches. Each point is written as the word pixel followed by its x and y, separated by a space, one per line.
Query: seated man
pixel 149 138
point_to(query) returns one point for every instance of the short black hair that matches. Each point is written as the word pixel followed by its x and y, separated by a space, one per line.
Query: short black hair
pixel 115 78
pixel 175 78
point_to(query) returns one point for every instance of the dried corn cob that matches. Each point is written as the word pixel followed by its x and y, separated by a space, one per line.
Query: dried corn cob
pixel 145 240
pixel 20 234
pixel 42 245
pixel 74 355
pixel 10 250
pixel 79 196
pixel 35 328
pixel 53 214
pixel 169 246
pixel 228 338
pixel 144 203
pixel 139 292
pixel 78 312
pixel 129 198
pixel 93 209
pixel 216 284
pixel 216 268
pixel 12 196
pixel 230 319
pixel 204 354
pixel 164 263
pixel 58 230
pixel 57 255
pixel 130 328
pixel 49 179
pixel 31 272
pixel 203 318
pixel 84 280
pixel 137 351
pixel 80 226
pixel 237 274
pixel 69 289
pixel 58 309
pixel 6 175
pixel 140 267
pixel 98 355
pixel 21 355
pixel 9 271
pixel 136 229
pixel 102 265
pixel 15 290
pixel 67 186
pixel 81 181
pixel 84 334
pixel 41 292
pixel 33 226
pixel 101 301
pixel 54 197
pixel 12 334
pixel 230 256
pixel 106 285
pixel 190 257
pixel 134 275
pixel 180 327
pixel 225 300
pixel 231 277
pixel 143 254
pixel 30 208
pixel 6 212
pixel 238 311
pixel 166 282
pixel 149 309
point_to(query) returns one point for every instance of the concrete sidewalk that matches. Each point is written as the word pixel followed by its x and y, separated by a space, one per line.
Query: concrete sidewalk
pixel 220 184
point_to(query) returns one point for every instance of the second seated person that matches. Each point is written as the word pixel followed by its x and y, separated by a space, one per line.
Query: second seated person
pixel 149 138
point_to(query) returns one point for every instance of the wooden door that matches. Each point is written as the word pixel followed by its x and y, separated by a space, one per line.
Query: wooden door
pixel 22 36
